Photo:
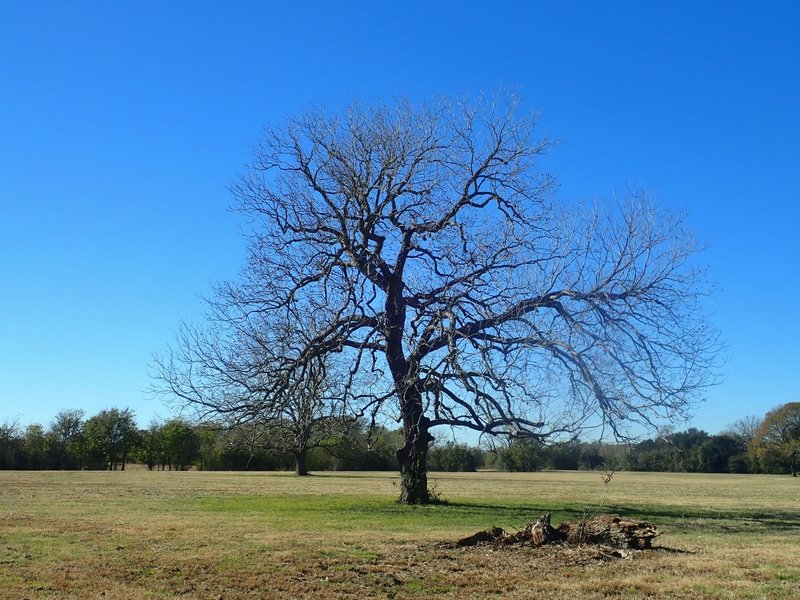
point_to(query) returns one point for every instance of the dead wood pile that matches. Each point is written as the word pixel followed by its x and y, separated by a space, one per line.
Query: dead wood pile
pixel 607 530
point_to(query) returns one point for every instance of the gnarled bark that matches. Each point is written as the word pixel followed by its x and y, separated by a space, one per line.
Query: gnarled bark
pixel 413 455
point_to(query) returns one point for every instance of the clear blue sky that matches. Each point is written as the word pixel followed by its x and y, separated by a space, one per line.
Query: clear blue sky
pixel 122 123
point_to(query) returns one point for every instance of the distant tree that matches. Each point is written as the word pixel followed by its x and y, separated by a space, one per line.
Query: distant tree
pixel 716 452
pixel 65 433
pixel 653 455
pixel 211 448
pixel 778 437
pixel 591 456
pixel 524 454
pixel 111 435
pixel 745 428
pixel 247 445
pixel 180 444
pixel 362 446
pixel 617 457
pixel 454 456
pixel 564 456
pixel 150 446
pixel 34 447
pixel 10 443
pixel 426 244
pixel 687 443
pixel 311 414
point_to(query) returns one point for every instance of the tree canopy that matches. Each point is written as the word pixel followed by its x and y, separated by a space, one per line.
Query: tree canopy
pixel 778 436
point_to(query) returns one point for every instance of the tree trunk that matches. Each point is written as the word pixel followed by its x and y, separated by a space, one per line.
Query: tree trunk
pixel 300 467
pixel 413 456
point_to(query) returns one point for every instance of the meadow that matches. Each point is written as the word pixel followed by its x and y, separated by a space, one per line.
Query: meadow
pixel 138 534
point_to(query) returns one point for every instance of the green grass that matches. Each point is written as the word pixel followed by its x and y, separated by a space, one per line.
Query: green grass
pixel 139 534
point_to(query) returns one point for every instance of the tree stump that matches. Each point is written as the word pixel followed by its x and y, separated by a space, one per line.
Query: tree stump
pixel 605 530
pixel 611 530
pixel 535 534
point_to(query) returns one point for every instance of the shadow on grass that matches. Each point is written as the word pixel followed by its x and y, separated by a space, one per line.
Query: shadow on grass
pixel 666 550
pixel 532 512
pixel 720 520
pixel 676 517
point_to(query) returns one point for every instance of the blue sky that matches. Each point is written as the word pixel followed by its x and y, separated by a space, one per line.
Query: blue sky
pixel 122 124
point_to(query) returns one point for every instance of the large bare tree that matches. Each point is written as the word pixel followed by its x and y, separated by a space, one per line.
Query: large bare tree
pixel 441 270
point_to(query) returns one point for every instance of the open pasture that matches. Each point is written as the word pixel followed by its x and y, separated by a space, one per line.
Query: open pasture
pixel 139 534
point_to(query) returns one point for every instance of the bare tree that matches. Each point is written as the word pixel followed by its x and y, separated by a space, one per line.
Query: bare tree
pixel 310 416
pixel 744 429
pixel 439 269
pixel 233 374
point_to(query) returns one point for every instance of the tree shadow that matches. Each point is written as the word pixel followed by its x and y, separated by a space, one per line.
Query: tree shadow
pixel 676 518
pixel 668 550
pixel 733 521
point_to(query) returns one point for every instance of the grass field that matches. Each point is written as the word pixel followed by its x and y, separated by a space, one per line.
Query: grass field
pixel 139 534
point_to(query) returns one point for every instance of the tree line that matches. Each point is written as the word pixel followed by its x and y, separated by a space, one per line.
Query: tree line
pixel 111 439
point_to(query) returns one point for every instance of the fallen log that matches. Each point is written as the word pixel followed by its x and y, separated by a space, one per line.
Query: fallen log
pixel 605 530
pixel 611 530
pixel 491 535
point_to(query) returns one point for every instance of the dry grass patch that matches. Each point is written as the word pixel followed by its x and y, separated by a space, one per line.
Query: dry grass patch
pixel 139 535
